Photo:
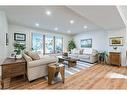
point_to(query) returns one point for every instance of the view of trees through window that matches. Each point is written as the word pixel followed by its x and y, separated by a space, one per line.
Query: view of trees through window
pixel 49 44
pixel 58 44
pixel 37 42
pixel 52 44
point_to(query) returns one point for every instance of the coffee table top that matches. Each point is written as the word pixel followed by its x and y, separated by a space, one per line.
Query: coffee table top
pixel 68 58
pixel 56 65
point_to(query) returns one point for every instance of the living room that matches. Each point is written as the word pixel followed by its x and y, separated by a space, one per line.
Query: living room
pixel 49 31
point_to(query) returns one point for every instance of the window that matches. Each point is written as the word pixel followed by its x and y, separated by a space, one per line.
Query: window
pixel 37 42
pixel 45 44
pixel 58 44
pixel 49 44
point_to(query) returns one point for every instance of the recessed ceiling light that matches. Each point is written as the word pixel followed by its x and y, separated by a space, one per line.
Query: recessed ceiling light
pixel 68 31
pixel 55 28
pixel 37 24
pixel 48 13
pixel 85 27
pixel 71 21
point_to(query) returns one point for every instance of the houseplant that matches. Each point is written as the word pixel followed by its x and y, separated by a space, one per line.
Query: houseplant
pixel 103 57
pixel 71 45
pixel 18 48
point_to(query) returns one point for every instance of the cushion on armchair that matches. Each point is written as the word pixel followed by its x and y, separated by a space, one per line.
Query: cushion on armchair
pixel 27 58
pixel 33 55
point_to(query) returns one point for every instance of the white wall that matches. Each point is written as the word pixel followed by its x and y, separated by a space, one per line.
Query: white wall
pixel 3 31
pixel 99 39
pixel 28 31
pixel 122 49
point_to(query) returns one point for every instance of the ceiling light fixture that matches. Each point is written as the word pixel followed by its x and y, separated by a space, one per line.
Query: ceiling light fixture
pixel 56 29
pixel 37 24
pixel 71 21
pixel 85 27
pixel 48 13
pixel 69 31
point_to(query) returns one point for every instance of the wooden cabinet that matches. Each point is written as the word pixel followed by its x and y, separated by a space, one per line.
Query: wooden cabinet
pixel 12 68
pixel 115 58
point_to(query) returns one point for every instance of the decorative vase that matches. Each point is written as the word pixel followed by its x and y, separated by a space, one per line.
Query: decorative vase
pixel 19 56
pixel 65 54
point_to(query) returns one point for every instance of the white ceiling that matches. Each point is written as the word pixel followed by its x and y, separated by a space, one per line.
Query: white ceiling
pixel 95 17
pixel 123 9
pixel 106 17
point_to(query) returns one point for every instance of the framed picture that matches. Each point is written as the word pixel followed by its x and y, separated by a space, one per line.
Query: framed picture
pixel 116 41
pixel 19 37
pixel 86 43
pixel 7 41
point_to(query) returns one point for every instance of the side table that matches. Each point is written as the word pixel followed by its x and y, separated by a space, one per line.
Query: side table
pixel 12 68
pixel 53 71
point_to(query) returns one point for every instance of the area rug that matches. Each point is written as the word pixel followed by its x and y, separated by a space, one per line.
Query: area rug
pixel 73 70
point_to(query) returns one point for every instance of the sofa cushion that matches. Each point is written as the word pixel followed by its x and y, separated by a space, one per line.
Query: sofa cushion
pixel 86 56
pixel 33 55
pixel 42 61
pixel 43 56
pixel 87 51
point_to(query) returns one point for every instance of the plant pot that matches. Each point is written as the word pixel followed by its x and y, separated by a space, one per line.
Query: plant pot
pixel 19 56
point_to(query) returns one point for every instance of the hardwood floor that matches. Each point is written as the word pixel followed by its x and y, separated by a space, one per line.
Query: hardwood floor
pixel 96 77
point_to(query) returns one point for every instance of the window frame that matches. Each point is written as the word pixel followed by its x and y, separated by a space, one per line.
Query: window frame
pixel 55 45
pixel 44 40
pixel 32 40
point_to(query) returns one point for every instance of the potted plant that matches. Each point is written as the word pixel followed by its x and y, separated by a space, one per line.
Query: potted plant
pixel 18 48
pixel 103 57
pixel 71 45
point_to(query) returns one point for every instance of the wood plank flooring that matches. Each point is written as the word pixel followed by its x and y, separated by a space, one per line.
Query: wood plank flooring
pixel 95 77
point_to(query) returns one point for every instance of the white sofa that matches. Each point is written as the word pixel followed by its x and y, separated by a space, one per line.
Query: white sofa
pixel 87 55
pixel 38 68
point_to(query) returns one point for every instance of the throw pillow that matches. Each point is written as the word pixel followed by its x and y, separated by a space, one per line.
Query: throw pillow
pixel 26 52
pixel 87 51
pixel 33 55
pixel 27 58
pixel 81 51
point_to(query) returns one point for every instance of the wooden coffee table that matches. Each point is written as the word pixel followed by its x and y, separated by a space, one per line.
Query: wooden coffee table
pixel 53 71
pixel 71 61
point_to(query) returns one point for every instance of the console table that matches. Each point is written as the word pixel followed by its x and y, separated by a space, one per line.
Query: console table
pixel 12 68
pixel 115 58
